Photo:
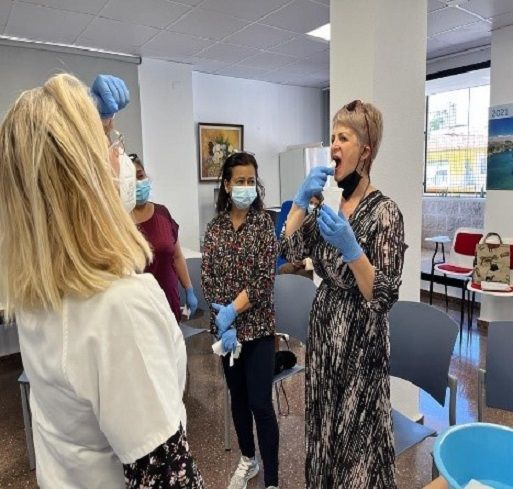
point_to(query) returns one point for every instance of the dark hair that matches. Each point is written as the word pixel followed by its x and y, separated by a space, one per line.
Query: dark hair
pixel 319 197
pixel 135 159
pixel 224 201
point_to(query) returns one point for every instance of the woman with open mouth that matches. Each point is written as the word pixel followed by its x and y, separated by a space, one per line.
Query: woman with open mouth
pixel 358 251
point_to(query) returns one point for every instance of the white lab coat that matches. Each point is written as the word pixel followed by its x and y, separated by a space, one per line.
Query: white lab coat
pixel 107 376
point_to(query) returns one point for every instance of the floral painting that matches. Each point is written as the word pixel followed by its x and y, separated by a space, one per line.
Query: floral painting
pixel 216 143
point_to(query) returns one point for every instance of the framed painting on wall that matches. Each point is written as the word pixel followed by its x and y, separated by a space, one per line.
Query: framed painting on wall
pixel 216 142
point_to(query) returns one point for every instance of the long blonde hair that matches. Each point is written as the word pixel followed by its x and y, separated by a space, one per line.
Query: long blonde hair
pixel 63 228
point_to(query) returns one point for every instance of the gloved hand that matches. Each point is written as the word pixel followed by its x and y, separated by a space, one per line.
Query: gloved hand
pixel 225 316
pixel 313 184
pixel 336 230
pixel 111 95
pixel 191 300
pixel 229 340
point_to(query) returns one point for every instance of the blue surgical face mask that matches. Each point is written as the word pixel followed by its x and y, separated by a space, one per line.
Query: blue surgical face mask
pixel 142 193
pixel 243 197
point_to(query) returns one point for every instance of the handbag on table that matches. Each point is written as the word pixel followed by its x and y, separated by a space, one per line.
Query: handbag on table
pixel 492 261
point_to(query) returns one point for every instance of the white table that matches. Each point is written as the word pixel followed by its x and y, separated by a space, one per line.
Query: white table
pixel 495 306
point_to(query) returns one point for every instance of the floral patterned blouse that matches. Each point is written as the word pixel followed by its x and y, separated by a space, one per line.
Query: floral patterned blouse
pixel 169 466
pixel 237 260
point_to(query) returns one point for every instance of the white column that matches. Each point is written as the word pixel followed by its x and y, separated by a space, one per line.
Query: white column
pixel 169 142
pixel 499 203
pixel 378 55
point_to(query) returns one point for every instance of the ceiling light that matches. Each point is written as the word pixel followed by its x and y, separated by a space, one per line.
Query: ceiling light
pixel 22 40
pixel 454 3
pixel 324 32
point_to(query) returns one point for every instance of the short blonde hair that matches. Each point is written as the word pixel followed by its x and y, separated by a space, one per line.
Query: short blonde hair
pixel 63 228
pixel 353 115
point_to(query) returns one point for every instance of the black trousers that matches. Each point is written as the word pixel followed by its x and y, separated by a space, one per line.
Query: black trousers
pixel 250 382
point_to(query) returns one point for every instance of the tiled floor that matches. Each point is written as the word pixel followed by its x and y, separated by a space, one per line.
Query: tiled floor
pixel 204 402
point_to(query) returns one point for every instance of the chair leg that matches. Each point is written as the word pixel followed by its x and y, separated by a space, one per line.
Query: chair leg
pixel 470 306
pixel 277 387
pixel 446 296
pixel 434 470
pixel 27 421
pixel 277 393
pixel 473 305
pixel 432 275
pixel 453 390
pixel 187 380
pixel 431 288
pixel 481 393
pixel 227 436
pixel 462 315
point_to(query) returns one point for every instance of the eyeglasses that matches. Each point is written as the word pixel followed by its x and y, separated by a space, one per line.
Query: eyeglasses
pixel 117 142
pixel 351 107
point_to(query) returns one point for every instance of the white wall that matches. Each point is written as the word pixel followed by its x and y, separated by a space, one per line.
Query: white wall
pixel 169 144
pixel 376 73
pixel 499 202
pixel 23 68
pixel 274 117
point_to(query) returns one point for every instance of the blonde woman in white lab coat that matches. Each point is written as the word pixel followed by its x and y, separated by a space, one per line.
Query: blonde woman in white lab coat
pixel 102 351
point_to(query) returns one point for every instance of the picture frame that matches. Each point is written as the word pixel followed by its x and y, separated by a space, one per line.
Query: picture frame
pixel 217 141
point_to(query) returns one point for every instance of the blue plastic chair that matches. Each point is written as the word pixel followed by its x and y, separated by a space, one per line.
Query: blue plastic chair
pixel 495 383
pixel 280 221
pixel 282 217
pixel 293 297
pixel 421 343
pixel 480 451
pixel 194 267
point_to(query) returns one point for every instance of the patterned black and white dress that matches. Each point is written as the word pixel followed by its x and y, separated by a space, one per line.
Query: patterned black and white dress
pixel 348 420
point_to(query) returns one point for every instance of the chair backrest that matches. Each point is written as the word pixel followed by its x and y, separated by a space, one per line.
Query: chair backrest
pixel 194 267
pixel 422 340
pixel 464 246
pixel 282 217
pixel 499 371
pixel 293 297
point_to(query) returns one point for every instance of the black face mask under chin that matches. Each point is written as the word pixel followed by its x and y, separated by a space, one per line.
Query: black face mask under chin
pixel 349 184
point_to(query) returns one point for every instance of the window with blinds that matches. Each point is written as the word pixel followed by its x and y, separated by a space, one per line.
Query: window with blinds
pixel 456 141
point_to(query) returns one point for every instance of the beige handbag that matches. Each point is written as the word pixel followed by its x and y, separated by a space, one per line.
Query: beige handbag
pixel 492 261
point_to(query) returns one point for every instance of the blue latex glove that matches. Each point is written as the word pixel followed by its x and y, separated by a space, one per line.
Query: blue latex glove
pixel 229 340
pixel 191 300
pixel 313 184
pixel 111 95
pixel 225 317
pixel 336 230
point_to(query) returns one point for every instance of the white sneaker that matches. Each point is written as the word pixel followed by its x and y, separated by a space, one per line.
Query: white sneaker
pixel 271 487
pixel 246 470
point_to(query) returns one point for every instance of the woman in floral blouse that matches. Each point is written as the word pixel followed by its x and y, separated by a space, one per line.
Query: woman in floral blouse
pixel 238 266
